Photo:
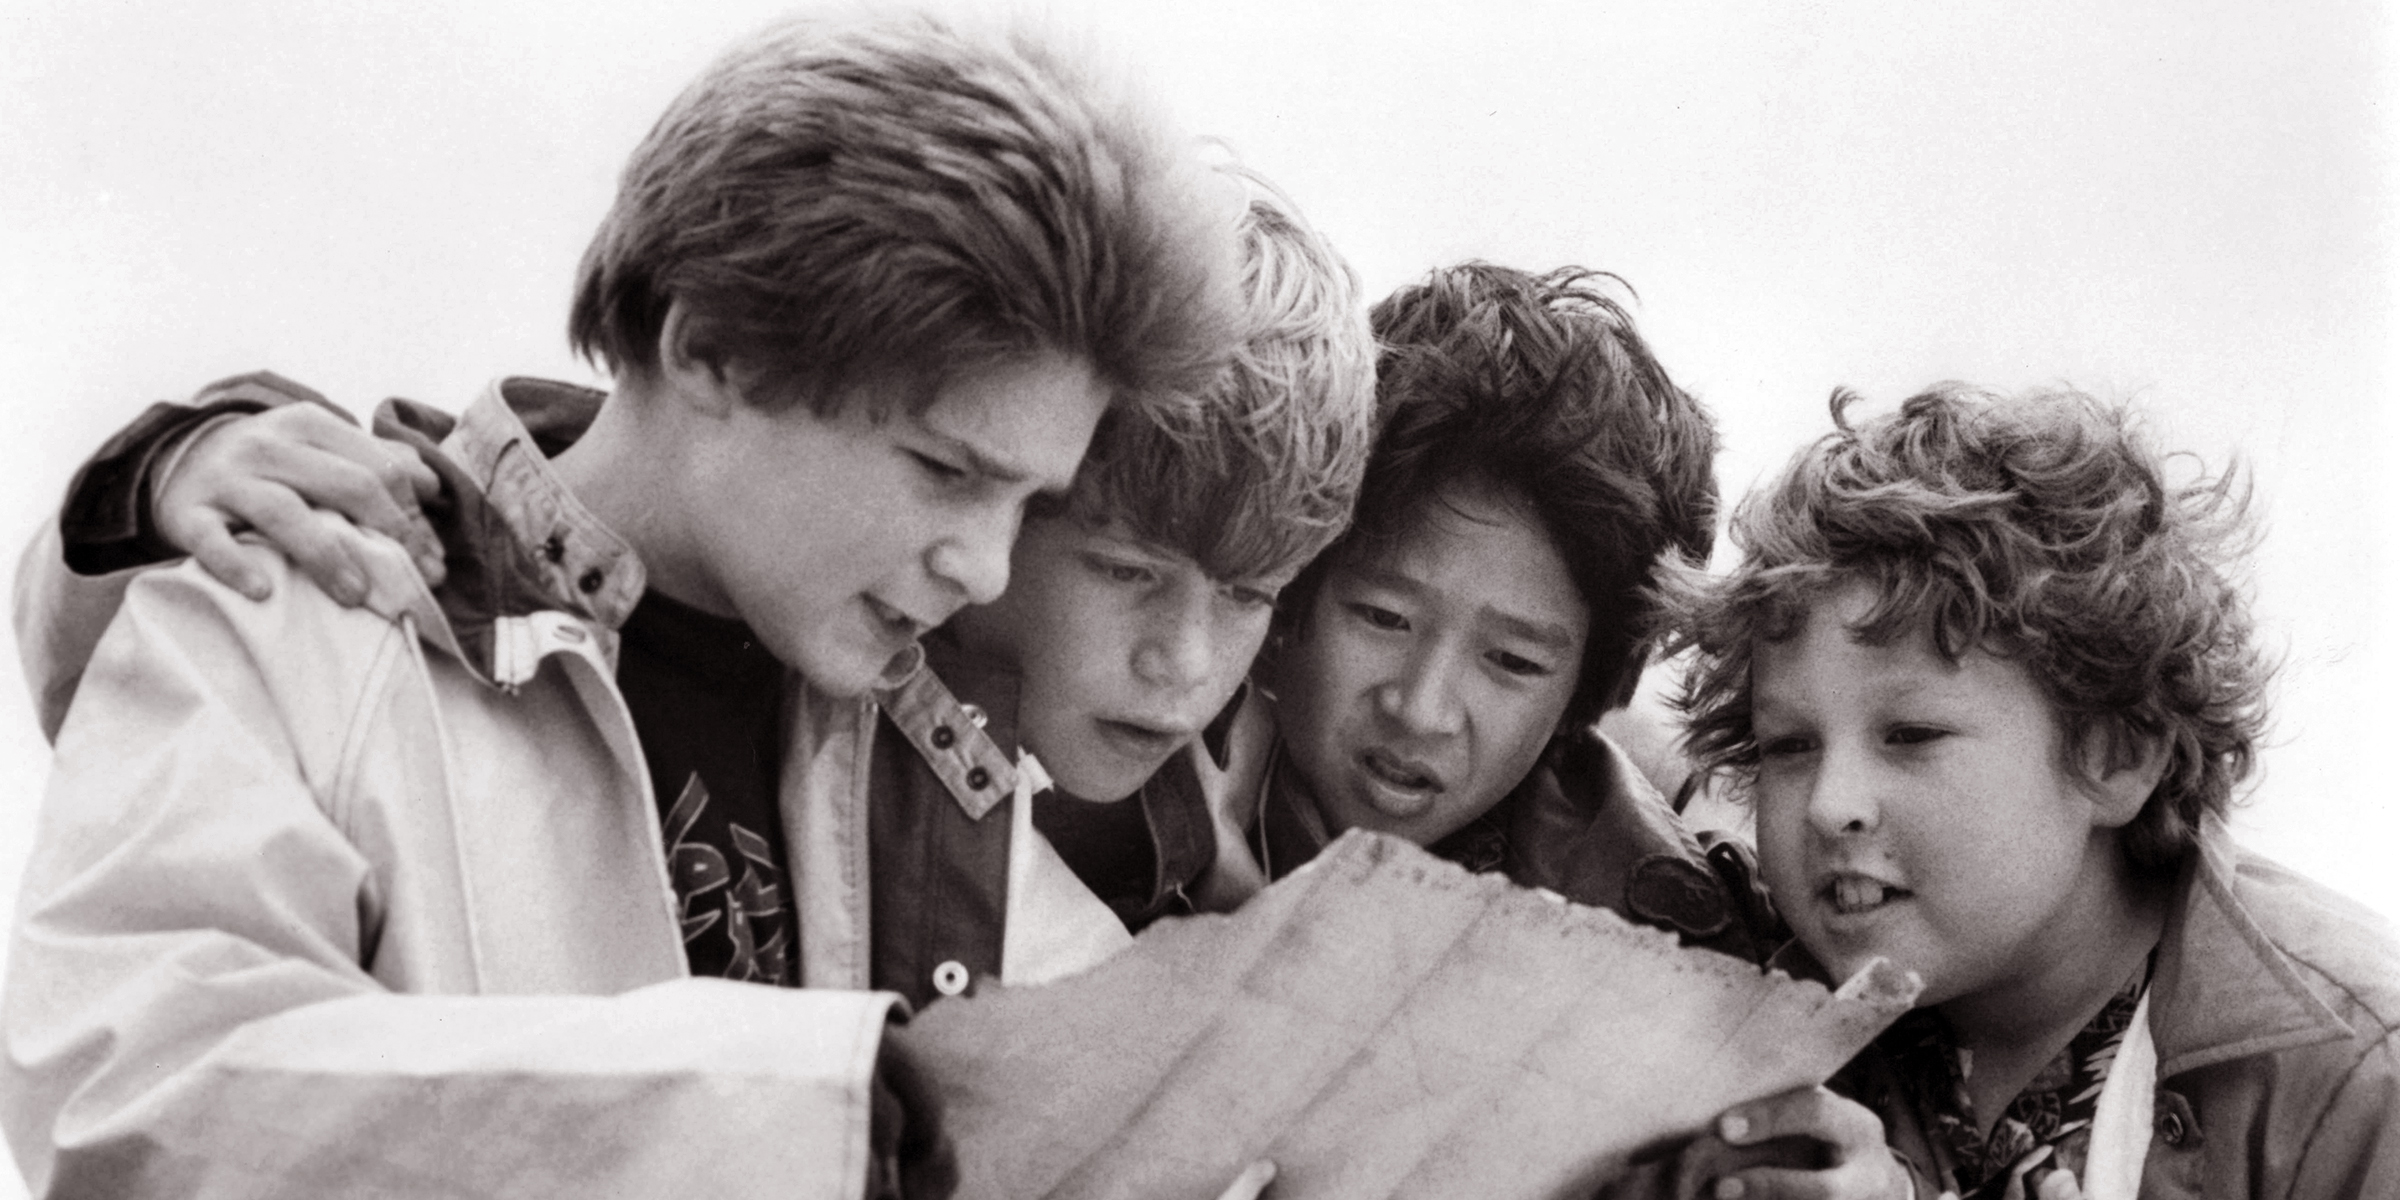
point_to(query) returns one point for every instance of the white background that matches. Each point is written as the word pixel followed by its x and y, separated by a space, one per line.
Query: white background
pixel 2191 205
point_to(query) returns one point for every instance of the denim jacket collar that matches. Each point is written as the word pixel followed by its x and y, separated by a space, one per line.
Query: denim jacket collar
pixel 969 747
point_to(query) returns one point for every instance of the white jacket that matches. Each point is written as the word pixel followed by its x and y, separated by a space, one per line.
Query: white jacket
pixel 372 902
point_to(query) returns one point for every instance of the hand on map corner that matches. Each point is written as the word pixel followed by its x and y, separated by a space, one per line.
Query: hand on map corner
pixel 307 482
pixel 1806 1142
pixel 1251 1182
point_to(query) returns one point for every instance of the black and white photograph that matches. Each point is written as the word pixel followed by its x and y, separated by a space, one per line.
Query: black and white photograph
pixel 925 598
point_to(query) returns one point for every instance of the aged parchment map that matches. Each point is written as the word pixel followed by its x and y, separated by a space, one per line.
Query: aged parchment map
pixel 1380 1024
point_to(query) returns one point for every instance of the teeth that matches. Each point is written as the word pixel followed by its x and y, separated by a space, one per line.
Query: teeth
pixel 1852 894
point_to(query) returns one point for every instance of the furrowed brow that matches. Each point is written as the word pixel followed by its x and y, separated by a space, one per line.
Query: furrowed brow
pixel 982 463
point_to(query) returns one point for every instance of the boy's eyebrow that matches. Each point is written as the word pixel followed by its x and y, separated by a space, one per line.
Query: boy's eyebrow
pixel 1549 634
pixel 980 461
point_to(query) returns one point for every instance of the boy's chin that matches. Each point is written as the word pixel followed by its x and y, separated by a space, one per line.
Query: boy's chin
pixel 1094 786
pixel 847 672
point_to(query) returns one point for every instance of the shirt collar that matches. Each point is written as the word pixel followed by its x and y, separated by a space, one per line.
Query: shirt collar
pixel 585 567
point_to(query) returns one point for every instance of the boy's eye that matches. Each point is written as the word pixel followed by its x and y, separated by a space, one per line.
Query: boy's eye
pixel 1380 618
pixel 1784 745
pixel 1251 597
pixel 1119 571
pixel 946 472
pixel 1914 735
pixel 1517 664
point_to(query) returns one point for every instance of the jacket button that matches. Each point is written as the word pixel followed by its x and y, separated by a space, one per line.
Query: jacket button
pixel 979 779
pixel 591 581
pixel 554 547
pixel 2170 1127
pixel 950 978
pixel 943 739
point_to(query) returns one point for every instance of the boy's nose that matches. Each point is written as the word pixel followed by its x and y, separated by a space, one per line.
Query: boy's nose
pixel 1423 699
pixel 1178 645
pixel 975 558
pixel 1842 797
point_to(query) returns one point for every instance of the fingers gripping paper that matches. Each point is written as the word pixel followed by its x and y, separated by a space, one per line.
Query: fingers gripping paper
pixel 1380 1024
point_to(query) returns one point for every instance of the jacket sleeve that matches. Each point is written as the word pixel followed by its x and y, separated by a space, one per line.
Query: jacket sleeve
pixel 70 578
pixel 60 615
pixel 187 1012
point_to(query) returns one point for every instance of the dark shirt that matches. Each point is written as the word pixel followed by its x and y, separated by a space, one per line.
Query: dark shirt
pixel 707 703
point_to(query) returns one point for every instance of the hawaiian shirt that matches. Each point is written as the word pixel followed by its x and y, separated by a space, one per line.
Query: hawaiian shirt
pixel 2047 1128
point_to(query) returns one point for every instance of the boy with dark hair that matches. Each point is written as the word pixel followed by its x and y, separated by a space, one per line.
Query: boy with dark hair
pixel 329 899
pixel 1988 678
pixel 1443 665
pixel 1137 607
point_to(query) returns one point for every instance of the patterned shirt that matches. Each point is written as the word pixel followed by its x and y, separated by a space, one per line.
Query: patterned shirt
pixel 2047 1128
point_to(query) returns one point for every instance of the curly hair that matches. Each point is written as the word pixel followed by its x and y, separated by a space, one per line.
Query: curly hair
pixel 1263 477
pixel 885 201
pixel 1540 385
pixel 2042 528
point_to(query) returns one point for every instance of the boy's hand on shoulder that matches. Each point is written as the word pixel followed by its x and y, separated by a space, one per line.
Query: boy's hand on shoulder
pixel 1805 1143
pixel 308 483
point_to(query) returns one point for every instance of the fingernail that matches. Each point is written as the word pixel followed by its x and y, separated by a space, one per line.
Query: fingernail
pixel 1729 1188
pixel 1733 1127
pixel 256 588
pixel 353 587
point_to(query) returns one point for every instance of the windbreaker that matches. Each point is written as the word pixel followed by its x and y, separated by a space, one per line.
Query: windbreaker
pixel 373 902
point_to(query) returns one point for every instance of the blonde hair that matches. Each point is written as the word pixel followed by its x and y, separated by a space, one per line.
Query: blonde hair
pixel 1263 476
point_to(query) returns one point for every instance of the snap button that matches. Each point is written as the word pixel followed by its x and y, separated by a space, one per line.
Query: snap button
pixel 979 779
pixel 2170 1127
pixel 555 548
pixel 974 714
pixel 943 739
pixel 591 581
pixel 950 978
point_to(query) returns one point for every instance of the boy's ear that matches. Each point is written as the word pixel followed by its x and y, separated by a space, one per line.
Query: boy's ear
pixel 2121 768
pixel 692 366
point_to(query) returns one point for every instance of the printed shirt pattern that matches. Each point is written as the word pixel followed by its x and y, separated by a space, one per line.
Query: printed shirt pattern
pixel 706 700
pixel 737 922
pixel 2047 1128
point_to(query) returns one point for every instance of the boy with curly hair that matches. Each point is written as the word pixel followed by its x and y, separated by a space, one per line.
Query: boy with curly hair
pixel 440 895
pixel 1986 673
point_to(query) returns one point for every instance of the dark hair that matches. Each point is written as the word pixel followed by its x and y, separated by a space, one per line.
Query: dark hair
pixel 1539 384
pixel 888 200
pixel 2040 527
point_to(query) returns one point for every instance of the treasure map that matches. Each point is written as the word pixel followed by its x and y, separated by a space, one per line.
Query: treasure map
pixel 1379 1024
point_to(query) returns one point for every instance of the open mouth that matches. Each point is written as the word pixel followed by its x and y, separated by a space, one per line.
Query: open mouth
pixel 1402 774
pixel 896 623
pixel 1139 738
pixel 1851 895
